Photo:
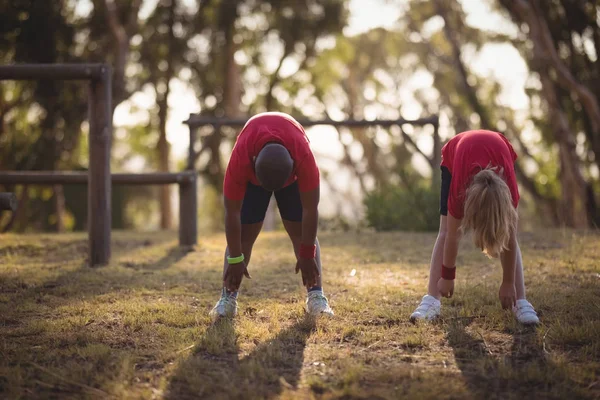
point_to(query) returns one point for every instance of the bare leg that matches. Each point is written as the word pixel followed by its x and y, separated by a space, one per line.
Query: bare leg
pixel 524 311
pixel 519 277
pixel 510 257
pixel 249 234
pixel 437 258
pixel 294 230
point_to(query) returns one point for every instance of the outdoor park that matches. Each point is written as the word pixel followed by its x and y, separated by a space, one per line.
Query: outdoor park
pixel 117 133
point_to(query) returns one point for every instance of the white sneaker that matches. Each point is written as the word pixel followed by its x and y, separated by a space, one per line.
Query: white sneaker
pixel 428 310
pixel 525 313
pixel 225 307
pixel 317 304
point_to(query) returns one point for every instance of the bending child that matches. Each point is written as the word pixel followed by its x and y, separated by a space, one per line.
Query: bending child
pixel 271 156
pixel 479 194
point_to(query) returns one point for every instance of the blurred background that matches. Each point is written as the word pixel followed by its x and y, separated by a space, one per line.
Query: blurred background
pixel 527 68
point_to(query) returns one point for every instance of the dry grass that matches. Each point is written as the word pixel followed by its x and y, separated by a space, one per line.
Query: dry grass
pixel 139 327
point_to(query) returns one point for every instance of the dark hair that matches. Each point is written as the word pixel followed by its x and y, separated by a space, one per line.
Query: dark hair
pixel 273 166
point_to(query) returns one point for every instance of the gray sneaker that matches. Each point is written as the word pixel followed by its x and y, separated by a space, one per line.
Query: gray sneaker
pixel 225 307
pixel 317 304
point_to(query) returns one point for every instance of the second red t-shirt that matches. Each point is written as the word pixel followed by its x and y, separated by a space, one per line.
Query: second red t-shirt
pixel 468 153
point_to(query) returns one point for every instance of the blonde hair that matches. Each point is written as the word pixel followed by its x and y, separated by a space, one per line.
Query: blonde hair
pixel 489 212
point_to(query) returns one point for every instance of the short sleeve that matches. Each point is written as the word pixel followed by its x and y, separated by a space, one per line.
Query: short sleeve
pixel 511 149
pixel 307 173
pixel 236 178
pixel 447 155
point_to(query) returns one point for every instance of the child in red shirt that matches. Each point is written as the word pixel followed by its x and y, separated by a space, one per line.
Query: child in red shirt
pixel 479 193
pixel 271 156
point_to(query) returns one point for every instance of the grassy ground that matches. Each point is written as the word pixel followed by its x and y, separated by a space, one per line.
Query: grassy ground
pixel 139 327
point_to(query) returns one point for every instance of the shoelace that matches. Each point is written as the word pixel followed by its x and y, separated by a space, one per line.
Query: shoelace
pixel 227 300
pixel 318 298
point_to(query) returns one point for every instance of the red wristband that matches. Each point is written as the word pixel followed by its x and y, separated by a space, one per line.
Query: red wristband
pixel 448 273
pixel 307 251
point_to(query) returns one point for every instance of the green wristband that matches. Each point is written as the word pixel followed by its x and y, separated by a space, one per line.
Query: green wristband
pixel 235 260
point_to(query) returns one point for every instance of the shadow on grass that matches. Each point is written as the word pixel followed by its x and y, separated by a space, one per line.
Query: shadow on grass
pixel 46 274
pixel 53 287
pixel 82 279
pixel 174 255
pixel 218 370
pixel 528 372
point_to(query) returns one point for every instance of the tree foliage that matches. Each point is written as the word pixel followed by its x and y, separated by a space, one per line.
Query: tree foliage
pixel 240 57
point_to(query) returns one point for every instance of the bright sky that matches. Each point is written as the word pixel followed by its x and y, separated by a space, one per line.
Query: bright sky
pixel 500 62
pixel 365 15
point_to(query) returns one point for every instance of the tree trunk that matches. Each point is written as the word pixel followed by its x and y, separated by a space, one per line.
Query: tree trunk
pixel 121 34
pixel 545 57
pixel 573 207
pixel 232 92
pixel 469 91
pixel 162 146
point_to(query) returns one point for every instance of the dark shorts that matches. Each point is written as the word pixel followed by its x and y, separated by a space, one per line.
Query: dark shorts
pixel 446 178
pixel 256 202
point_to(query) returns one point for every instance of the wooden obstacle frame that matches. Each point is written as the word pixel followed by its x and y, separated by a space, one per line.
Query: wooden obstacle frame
pixel 197 121
pixel 8 202
pixel 99 178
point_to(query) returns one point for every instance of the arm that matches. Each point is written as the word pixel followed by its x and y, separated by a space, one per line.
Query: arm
pixel 446 286
pixel 452 241
pixel 310 215
pixel 233 226
pixel 234 187
pixel 308 184
pixel 307 262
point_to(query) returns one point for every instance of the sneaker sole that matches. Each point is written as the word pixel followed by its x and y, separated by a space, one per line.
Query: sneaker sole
pixel 321 314
pixel 529 323
pixel 414 319
pixel 216 316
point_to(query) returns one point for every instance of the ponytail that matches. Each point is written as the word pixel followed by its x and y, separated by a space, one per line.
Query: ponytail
pixel 489 212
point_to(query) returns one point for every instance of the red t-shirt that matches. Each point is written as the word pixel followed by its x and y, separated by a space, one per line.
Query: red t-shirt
pixel 468 153
pixel 258 131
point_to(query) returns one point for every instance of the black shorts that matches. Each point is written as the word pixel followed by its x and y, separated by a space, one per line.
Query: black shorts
pixel 446 178
pixel 256 201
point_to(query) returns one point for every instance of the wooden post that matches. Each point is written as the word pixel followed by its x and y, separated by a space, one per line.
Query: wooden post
pixel 8 202
pixel 188 199
pixel 99 187
pixel 188 212
pixel 191 149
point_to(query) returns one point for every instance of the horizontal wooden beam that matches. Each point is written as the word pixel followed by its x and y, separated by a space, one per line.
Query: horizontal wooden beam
pixel 195 121
pixel 8 202
pixel 23 72
pixel 81 178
